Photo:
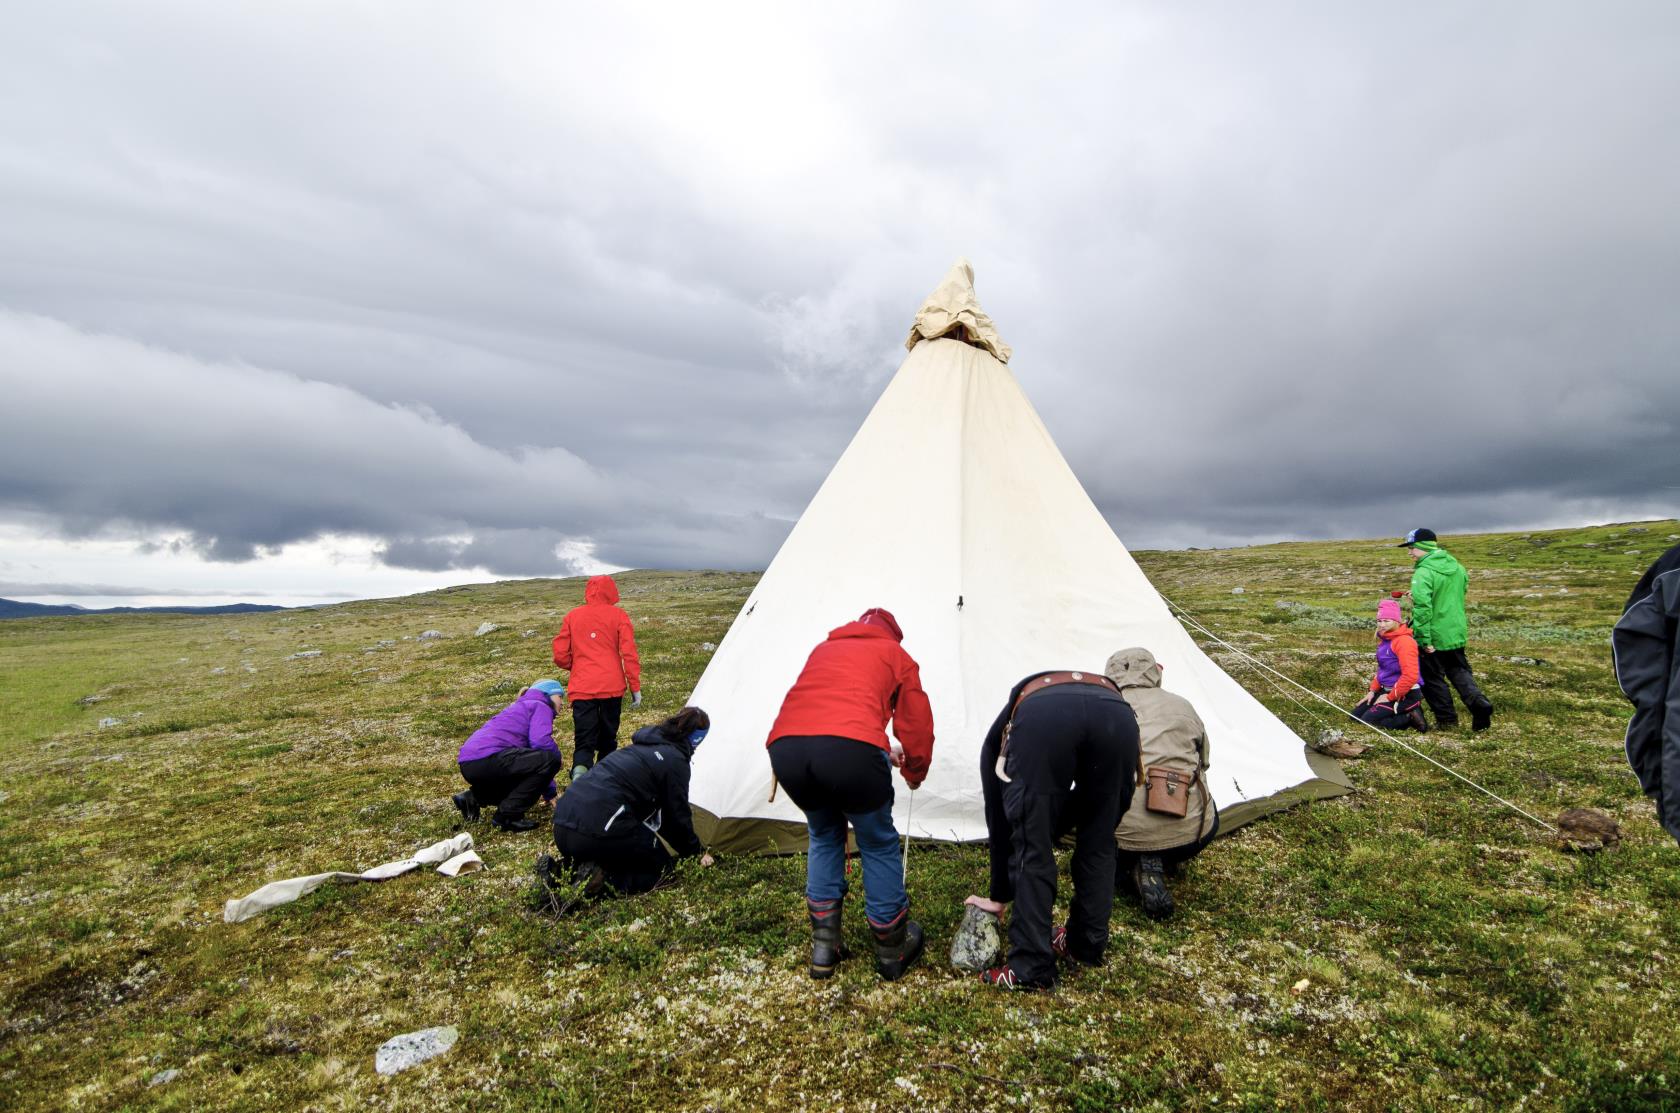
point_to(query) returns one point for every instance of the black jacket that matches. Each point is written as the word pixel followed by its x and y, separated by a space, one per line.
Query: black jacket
pixel 635 793
pixel 1648 669
pixel 1668 562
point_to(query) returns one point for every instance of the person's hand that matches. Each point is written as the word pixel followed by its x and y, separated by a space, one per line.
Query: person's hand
pixel 635 699
pixel 1429 649
pixel 897 758
pixel 707 860
pixel 992 907
pixel 1384 698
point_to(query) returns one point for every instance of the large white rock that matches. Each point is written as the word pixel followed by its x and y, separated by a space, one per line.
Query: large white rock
pixel 485 628
pixel 401 1052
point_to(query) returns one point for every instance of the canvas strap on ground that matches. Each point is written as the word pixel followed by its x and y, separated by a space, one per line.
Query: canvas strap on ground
pixel 1413 750
pixel 452 856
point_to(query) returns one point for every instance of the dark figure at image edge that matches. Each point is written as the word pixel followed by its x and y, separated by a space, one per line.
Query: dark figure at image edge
pixel 1072 763
pixel 829 751
pixel 1442 630
pixel 612 827
pixel 1647 661
pixel 597 644
pixel 1172 738
pixel 512 759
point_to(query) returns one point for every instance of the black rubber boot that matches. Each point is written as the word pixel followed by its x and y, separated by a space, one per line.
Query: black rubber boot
pixel 1481 716
pixel 897 945
pixel 1418 722
pixel 514 825
pixel 1151 880
pixel 467 804
pixel 827 946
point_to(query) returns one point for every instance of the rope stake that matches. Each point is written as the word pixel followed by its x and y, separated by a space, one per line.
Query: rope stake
pixel 1188 620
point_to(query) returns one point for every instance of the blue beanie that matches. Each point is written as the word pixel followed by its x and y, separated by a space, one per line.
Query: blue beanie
pixel 549 687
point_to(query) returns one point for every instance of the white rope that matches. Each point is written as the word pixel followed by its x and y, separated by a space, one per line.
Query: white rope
pixel 904 879
pixel 1185 615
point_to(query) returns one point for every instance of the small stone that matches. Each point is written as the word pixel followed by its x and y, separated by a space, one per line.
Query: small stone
pixel 430 635
pixel 164 1077
pixel 485 628
pixel 1237 591
pixel 110 722
pixel 978 944
pixel 305 653
pixel 89 701
pixel 1587 830
pixel 707 647
pixel 218 671
pixel 529 634
pixel 1300 987
pixel 412 1048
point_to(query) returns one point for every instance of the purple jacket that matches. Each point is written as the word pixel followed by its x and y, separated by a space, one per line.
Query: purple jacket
pixel 526 723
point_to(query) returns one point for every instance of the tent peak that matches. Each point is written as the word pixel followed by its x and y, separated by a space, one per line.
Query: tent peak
pixel 953 311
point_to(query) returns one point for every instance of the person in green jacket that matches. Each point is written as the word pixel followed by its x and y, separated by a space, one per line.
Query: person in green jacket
pixel 1442 630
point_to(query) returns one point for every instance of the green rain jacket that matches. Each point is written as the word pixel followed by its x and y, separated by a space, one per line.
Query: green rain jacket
pixel 1438 583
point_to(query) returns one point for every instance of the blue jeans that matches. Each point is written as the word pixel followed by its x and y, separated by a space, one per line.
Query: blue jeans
pixel 883 866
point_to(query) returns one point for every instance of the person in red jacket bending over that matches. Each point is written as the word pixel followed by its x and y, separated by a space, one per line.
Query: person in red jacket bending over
pixel 597 644
pixel 829 750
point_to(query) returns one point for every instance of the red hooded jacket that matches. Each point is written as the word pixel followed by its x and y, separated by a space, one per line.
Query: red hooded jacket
pixel 855 682
pixel 597 644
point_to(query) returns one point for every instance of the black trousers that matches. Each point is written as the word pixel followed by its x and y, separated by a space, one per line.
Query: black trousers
pixel 1172 857
pixel 1392 716
pixel 1444 666
pixel 1072 762
pixel 823 772
pixel 631 863
pixel 595 729
pixel 511 779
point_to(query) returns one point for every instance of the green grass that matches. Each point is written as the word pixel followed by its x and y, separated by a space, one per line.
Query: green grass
pixel 1453 956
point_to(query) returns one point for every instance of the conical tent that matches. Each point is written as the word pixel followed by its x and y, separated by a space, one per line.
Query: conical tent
pixel 953 509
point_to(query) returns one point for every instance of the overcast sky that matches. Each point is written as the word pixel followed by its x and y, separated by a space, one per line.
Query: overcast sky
pixel 308 301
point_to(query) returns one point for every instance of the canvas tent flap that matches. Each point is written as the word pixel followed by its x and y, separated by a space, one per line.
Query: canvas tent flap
pixel 953 310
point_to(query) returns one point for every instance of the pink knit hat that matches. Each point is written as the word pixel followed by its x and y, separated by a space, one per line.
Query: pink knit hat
pixel 1388 609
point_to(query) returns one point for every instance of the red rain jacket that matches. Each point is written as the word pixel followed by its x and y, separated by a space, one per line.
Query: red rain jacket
pixel 851 685
pixel 597 644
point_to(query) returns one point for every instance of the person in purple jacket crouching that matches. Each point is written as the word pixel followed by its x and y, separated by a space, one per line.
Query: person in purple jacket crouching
pixel 512 759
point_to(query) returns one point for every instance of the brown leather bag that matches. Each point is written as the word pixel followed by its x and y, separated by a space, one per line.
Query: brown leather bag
pixel 1167 791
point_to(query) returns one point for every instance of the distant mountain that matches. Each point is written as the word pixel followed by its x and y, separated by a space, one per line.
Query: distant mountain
pixel 11 608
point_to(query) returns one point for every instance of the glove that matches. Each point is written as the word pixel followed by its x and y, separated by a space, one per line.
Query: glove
pixel 635 699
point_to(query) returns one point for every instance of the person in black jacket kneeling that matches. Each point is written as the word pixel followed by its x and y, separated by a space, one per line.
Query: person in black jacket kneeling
pixel 612 825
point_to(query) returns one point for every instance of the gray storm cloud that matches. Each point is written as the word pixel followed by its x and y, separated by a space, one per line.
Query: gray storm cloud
pixel 488 287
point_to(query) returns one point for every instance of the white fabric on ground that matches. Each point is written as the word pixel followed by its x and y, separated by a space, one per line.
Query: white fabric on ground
pixel 455 854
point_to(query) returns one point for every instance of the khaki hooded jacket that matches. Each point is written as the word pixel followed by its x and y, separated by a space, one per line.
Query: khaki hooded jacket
pixel 1172 737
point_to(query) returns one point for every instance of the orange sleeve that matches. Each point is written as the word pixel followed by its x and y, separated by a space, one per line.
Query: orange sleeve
pixel 1406 649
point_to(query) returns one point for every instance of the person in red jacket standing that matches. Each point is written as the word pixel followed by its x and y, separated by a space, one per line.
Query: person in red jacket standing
pixel 597 644
pixel 829 750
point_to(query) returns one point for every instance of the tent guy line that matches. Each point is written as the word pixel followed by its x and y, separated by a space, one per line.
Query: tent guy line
pixel 1190 621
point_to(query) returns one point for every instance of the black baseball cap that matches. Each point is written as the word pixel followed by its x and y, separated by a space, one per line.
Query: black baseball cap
pixel 1415 536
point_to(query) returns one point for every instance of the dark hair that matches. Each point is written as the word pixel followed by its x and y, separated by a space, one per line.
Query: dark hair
pixel 686 722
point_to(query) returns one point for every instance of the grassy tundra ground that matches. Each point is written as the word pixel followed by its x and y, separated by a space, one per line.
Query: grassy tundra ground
pixel 1451 956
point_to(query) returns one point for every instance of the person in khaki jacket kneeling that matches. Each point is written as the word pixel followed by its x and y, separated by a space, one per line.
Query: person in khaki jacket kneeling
pixel 1171 818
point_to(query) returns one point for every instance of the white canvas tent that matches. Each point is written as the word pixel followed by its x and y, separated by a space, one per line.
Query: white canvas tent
pixel 953 509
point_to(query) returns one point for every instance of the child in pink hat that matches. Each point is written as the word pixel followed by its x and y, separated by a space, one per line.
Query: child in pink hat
pixel 1395 699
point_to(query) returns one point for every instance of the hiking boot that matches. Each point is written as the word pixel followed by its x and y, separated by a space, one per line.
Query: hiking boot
pixel 897 945
pixel 1481 717
pixel 1002 977
pixel 592 878
pixel 1417 721
pixel 1150 878
pixel 827 946
pixel 1058 942
pixel 513 825
pixel 467 804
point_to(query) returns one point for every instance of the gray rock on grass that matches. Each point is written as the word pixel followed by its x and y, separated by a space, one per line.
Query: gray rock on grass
pixel 978 944
pixel 304 653
pixel 430 635
pixel 110 722
pixel 485 628
pixel 412 1048
pixel 163 1077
